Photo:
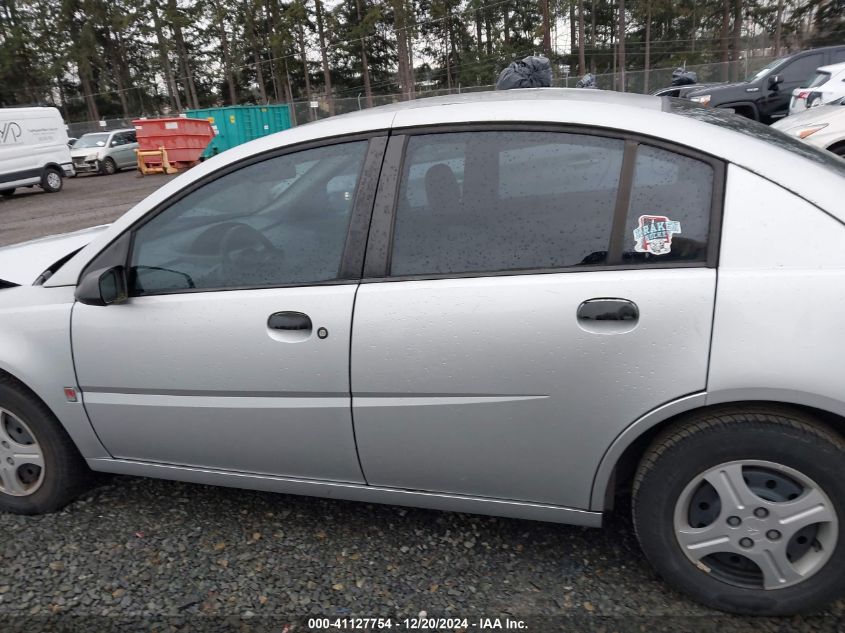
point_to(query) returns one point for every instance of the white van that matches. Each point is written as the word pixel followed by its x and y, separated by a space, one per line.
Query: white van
pixel 33 149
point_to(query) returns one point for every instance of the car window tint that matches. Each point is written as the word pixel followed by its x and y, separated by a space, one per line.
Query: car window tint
pixel 801 70
pixel 669 209
pixel 280 221
pixel 498 201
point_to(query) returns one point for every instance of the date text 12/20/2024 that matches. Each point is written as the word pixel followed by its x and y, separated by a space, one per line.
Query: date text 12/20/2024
pixel 417 624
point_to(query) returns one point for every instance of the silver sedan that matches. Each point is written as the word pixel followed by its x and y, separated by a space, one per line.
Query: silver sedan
pixel 522 303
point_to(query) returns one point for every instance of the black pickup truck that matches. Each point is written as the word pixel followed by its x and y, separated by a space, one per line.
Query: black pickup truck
pixel 764 96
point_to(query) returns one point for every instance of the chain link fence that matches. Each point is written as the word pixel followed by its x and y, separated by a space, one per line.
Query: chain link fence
pixel 635 81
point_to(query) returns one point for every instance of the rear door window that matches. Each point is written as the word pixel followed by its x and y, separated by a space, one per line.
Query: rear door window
pixel 509 200
pixel 669 210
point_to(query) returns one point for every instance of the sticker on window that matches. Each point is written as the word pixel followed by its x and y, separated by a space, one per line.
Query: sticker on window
pixel 654 234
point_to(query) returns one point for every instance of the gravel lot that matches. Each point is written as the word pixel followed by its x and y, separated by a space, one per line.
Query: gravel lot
pixel 84 201
pixel 146 555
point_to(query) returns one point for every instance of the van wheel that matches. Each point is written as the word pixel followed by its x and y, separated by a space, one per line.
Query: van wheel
pixel 51 180
pixel 742 510
pixel 41 469
pixel 108 167
pixel 7 193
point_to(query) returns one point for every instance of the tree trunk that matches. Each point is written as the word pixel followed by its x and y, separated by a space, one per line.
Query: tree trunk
pixel 593 37
pixel 737 38
pixel 399 27
pixel 256 54
pixel 778 28
pixel 488 32
pixel 164 58
pixel 410 21
pixel 227 60
pixel 547 28
pixel 327 75
pixel 725 39
pixel 647 62
pixel 507 24
pixel 305 70
pixel 622 45
pixel 365 69
pixel 84 77
pixel 582 59
pixel 182 55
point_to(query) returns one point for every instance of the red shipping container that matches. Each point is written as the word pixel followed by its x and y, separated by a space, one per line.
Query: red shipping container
pixel 183 138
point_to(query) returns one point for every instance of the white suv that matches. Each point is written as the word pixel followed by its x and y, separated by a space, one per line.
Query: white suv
pixel 828 84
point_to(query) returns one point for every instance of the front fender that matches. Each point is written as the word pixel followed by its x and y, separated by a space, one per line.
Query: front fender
pixel 35 348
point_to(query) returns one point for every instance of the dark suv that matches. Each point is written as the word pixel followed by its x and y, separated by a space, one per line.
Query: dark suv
pixel 764 95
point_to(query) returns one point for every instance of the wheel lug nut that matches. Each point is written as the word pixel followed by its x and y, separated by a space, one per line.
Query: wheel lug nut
pixel 761 513
pixel 5 444
pixel 10 460
pixel 773 535
pixel 746 542
pixel 734 521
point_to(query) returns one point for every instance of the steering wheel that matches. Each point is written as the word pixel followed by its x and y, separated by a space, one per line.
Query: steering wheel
pixel 246 254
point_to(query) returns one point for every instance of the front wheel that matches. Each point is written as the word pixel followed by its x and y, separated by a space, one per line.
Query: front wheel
pixel 40 468
pixel 51 180
pixel 108 167
pixel 742 509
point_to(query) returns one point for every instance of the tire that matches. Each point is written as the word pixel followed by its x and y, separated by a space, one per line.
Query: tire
pixel 28 429
pixel 108 167
pixel 7 193
pixel 786 461
pixel 51 180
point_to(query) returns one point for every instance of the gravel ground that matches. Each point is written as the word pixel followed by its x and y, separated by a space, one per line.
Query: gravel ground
pixel 148 555
pixel 179 555
pixel 84 201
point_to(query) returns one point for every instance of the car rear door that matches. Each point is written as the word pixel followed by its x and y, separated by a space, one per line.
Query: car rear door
pixel 528 293
pixel 233 350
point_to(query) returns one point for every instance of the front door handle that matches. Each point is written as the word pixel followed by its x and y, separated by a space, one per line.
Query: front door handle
pixel 594 310
pixel 289 321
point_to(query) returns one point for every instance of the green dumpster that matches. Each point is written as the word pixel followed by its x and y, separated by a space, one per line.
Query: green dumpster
pixel 234 125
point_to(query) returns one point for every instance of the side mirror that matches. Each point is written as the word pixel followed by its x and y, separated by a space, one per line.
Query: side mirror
pixel 103 287
pixel 775 81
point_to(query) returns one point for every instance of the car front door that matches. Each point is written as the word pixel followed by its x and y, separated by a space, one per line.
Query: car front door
pixel 796 74
pixel 545 289
pixel 232 351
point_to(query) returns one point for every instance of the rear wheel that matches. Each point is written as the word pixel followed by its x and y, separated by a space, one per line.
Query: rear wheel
pixel 51 180
pixel 742 510
pixel 7 193
pixel 40 468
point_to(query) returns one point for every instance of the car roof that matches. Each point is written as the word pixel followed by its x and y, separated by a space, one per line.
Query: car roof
pixel 831 68
pixel 591 109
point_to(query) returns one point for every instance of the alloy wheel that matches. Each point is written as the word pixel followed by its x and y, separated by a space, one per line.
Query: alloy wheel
pixel 756 524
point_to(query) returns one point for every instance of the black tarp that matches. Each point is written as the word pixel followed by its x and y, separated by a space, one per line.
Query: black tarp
pixel 531 72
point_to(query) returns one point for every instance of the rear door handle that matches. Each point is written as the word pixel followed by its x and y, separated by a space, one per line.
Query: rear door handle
pixel 289 321
pixel 594 310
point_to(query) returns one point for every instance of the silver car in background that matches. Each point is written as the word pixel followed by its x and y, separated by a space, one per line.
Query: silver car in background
pixel 522 303
pixel 105 152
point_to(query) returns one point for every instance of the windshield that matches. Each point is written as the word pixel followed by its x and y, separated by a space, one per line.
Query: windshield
pixel 759 74
pixel 91 140
pixel 731 121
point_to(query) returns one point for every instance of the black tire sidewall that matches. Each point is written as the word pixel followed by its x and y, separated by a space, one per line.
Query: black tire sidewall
pixel 58 469
pixel 45 185
pixel 108 167
pixel 661 487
